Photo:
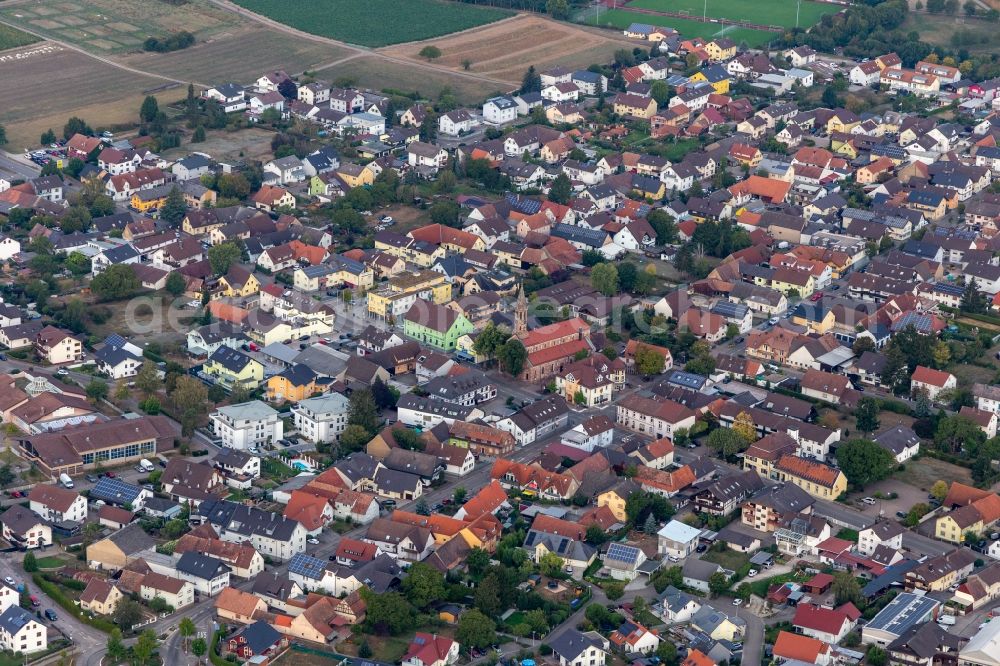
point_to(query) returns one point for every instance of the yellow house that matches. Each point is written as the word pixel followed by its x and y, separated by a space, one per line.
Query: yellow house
pixel 615 499
pixel 294 383
pixel 421 253
pixel 817 479
pixel 355 175
pixel 842 123
pixel 145 201
pixel 508 254
pixel 723 631
pixel 719 50
pixel 652 188
pixel 715 76
pixel 787 279
pixel 119 549
pixel 238 282
pixel 953 526
pixel 637 106
pixel 844 147
pixel 230 367
pixel 816 319
pixel 402 291
pixel 465 344
pixel 197 223
pixel 100 597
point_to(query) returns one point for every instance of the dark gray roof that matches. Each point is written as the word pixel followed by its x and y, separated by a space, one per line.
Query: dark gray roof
pixel 231 359
pixel 132 539
pixel 14 619
pixel 201 566
pixel 571 643
pixel 897 439
pixel 247 520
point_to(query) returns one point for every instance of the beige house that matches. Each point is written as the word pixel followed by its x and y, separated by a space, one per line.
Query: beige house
pixel 57 346
pixel 122 547
pixel 177 593
pixel 100 597
pixel 237 606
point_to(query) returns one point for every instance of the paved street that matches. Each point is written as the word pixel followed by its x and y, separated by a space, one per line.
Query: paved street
pixel 16 167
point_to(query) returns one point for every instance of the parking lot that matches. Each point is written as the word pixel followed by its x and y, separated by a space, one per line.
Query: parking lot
pixel 906 497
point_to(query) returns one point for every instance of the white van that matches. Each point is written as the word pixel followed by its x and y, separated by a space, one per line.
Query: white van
pixel 146 466
pixel 65 480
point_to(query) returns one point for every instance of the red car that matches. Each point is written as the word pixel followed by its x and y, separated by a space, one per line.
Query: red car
pixel 15 493
pixel 815 297
pixel 110 475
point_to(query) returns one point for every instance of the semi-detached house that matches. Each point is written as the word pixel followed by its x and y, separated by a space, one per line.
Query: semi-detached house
pixel 271 534
pixel 658 418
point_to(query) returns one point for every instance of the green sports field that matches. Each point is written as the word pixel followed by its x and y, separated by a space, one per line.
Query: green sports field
pixel 764 12
pixel 621 18
pixel 376 22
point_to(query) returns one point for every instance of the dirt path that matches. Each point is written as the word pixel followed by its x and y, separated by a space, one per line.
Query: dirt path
pixel 359 50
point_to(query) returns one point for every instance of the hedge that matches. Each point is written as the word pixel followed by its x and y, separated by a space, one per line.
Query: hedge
pixel 216 659
pixel 68 605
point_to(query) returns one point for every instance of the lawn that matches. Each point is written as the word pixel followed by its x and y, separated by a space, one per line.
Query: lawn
pixel 760 586
pixel 277 470
pixel 621 18
pixel 50 562
pixel 765 13
pixel 728 558
pixel 378 22
pixel 11 38
pixel 924 472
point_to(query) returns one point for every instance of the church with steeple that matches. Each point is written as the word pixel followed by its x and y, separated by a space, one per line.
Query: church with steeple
pixel 550 348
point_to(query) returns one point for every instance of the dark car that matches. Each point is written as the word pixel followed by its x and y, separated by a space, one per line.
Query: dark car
pixel 91 478
pixel 51 615
pixel 901 514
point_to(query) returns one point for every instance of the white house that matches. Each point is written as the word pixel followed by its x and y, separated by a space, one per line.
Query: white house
pixel 883 533
pixel 230 96
pixel 57 504
pixel 577 648
pixel 21 633
pixel 420 154
pixel 208 574
pixel 561 92
pixel 931 381
pixel 246 425
pixel 459 121
pixel 285 171
pixel 499 110
pixel 865 73
pixel 9 247
pixel 323 418
pixel 677 540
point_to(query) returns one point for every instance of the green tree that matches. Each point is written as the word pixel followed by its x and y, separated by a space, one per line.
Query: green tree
pixel 147 379
pixel 76 126
pixel 876 656
pixel 128 612
pixel 144 648
pixel 116 649
pixel 490 340
pixel 48 137
pixel 365 650
pixel 939 490
pixel 430 52
pixel 718 583
pixel 388 613
pixel 353 438
pixel 488 595
pixel 531 81
pixel 512 356
pixel 830 98
pixel 973 300
pixel 363 411
pixel 916 512
pixel 233 186
pixel 648 361
pixel 561 190
pixel 115 283
pixel 222 256
pixel 423 585
pixel 864 462
pixel 149 109
pixel 199 647
pixel 175 284
pixel 199 134
pixel 614 591
pixel 475 630
pixel 557 9
pixel 726 442
pixel 190 397
pixel 174 209
pixel 477 560
pixel 846 588
pixel 660 92
pixel 604 278
pixel 550 564
pixel 29 563
pixel 97 390
pixel 954 432
pixel 867 414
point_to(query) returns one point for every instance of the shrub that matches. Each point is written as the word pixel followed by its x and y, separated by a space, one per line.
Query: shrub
pixel 68 605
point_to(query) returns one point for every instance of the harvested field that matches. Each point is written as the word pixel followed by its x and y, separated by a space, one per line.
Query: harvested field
pixel 240 55
pixel 376 73
pixel 76 84
pixel 505 50
pixel 114 26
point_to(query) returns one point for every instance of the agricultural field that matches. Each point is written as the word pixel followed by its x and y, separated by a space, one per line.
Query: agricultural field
pixel 621 18
pixel 378 22
pixel 12 38
pixel 76 84
pixel 375 73
pixel 109 27
pixel 504 50
pixel 240 55
pixel 774 13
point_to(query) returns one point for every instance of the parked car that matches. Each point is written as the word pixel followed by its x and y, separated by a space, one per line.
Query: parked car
pixel 737 602
pixel 91 478
pixel 313 540
pixel 51 615
pixel 10 581
pixel 869 500
pixel 110 475
pixel 752 573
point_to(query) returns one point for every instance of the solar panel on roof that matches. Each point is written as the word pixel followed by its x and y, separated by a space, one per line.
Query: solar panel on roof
pixel 622 553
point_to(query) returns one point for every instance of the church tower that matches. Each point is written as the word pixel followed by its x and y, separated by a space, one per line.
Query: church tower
pixel 521 314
